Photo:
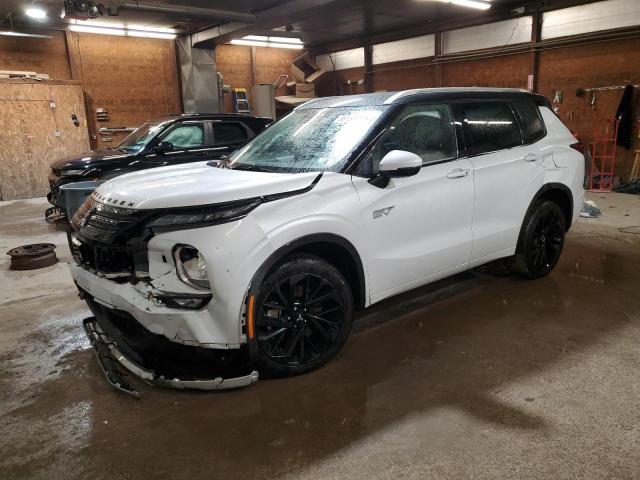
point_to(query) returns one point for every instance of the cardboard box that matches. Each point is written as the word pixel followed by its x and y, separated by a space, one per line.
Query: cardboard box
pixel 305 90
pixel 304 69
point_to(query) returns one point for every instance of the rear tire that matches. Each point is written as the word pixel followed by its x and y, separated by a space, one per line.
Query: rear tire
pixel 303 316
pixel 541 240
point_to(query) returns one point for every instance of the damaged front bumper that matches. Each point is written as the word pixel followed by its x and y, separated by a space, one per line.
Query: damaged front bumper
pixel 118 341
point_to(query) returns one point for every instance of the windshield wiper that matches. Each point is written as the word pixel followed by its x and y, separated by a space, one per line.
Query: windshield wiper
pixel 252 168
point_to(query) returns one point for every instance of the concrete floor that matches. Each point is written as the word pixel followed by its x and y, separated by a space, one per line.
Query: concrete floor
pixel 480 376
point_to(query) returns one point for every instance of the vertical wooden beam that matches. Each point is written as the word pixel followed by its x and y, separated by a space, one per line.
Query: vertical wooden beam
pixel 368 67
pixel 534 62
pixel 253 67
pixel 73 55
pixel 437 73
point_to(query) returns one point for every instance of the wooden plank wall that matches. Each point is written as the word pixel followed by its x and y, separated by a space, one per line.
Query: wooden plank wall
pixel 134 79
pixel 41 55
pixel 36 129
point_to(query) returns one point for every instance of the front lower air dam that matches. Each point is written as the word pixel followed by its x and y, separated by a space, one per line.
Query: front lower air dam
pixel 111 359
pixel 123 346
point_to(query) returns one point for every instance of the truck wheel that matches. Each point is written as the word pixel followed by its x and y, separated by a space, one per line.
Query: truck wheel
pixel 541 240
pixel 303 315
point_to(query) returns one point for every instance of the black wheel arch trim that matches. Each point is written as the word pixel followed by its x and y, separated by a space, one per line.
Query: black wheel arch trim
pixel 286 249
pixel 547 187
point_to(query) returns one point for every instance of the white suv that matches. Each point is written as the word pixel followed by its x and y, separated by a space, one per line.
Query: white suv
pixel 201 275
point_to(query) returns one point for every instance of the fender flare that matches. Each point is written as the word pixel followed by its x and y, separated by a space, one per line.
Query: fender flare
pixel 555 186
pixel 289 247
pixel 282 252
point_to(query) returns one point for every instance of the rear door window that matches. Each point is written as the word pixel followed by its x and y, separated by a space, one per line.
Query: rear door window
pixel 530 121
pixel 228 133
pixel 490 126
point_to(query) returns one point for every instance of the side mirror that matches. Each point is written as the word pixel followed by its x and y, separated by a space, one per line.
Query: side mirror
pixel 400 163
pixel 163 147
pixel 396 163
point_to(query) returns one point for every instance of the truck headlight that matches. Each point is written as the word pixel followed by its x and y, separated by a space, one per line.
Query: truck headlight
pixel 71 173
pixel 191 267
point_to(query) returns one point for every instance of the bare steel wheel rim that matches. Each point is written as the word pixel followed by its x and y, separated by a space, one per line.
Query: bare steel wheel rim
pixel 546 242
pixel 300 319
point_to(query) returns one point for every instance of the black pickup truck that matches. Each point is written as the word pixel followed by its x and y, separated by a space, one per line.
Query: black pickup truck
pixel 169 140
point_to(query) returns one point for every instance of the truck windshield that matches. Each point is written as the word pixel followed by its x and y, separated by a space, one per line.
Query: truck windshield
pixel 308 140
pixel 140 137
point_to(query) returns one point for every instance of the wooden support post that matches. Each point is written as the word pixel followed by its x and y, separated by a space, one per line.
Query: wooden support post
pixel 73 55
pixel 368 68
pixel 536 29
pixel 253 68
pixel 438 52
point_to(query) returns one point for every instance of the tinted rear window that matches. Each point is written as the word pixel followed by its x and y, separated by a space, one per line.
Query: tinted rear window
pixel 490 126
pixel 228 133
pixel 531 121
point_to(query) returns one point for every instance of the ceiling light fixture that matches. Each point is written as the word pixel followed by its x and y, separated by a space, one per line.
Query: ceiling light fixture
pixel 122 32
pixel 477 4
pixel 36 12
pixel 273 42
pixel 11 33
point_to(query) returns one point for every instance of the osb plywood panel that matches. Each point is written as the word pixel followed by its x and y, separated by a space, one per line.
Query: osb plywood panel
pixel 134 79
pixel 509 71
pixel 33 134
pixel 418 73
pixel 273 62
pixel 596 65
pixel 41 55
pixel 234 63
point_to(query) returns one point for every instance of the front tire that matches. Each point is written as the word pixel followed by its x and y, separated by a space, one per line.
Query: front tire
pixel 541 240
pixel 303 316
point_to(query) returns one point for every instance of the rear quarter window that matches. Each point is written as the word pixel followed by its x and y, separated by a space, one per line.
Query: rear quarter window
pixel 228 133
pixel 533 128
pixel 490 126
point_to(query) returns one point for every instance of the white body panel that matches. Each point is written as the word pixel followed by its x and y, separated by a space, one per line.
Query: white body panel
pixel 447 218
pixel 427 230
pixel 195 184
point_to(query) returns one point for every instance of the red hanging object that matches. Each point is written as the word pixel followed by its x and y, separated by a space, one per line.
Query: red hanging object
pixel 603 157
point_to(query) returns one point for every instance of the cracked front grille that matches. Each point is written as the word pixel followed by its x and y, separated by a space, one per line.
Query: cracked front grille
pixel 103 242
pixel 104 223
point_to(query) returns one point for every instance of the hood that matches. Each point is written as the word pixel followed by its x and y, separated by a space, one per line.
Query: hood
pixel 89 159
pixel 195 184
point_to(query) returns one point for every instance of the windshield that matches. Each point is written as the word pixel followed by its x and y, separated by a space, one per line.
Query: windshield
pixel 140 137
pixel 308 140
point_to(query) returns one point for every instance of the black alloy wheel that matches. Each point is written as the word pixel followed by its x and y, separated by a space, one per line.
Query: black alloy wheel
pixel 303 315
pixel 541 240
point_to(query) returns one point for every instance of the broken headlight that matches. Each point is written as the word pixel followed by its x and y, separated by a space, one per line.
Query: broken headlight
pixel 203 216
pixel 191 267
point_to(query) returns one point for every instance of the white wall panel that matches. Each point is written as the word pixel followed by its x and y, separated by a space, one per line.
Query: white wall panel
pixel 591 18
pixel 497 34
pixel 342 60
pixel 417 47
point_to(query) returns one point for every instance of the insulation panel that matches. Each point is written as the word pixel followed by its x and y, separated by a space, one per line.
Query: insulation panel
pixel 496 34
pixel 409 49
pixel 591 18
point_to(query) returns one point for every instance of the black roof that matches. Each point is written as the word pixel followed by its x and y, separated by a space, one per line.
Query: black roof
pixel 424 94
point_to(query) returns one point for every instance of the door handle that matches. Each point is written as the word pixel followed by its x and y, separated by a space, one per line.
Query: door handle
pixel 532 157
pixel 458 173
